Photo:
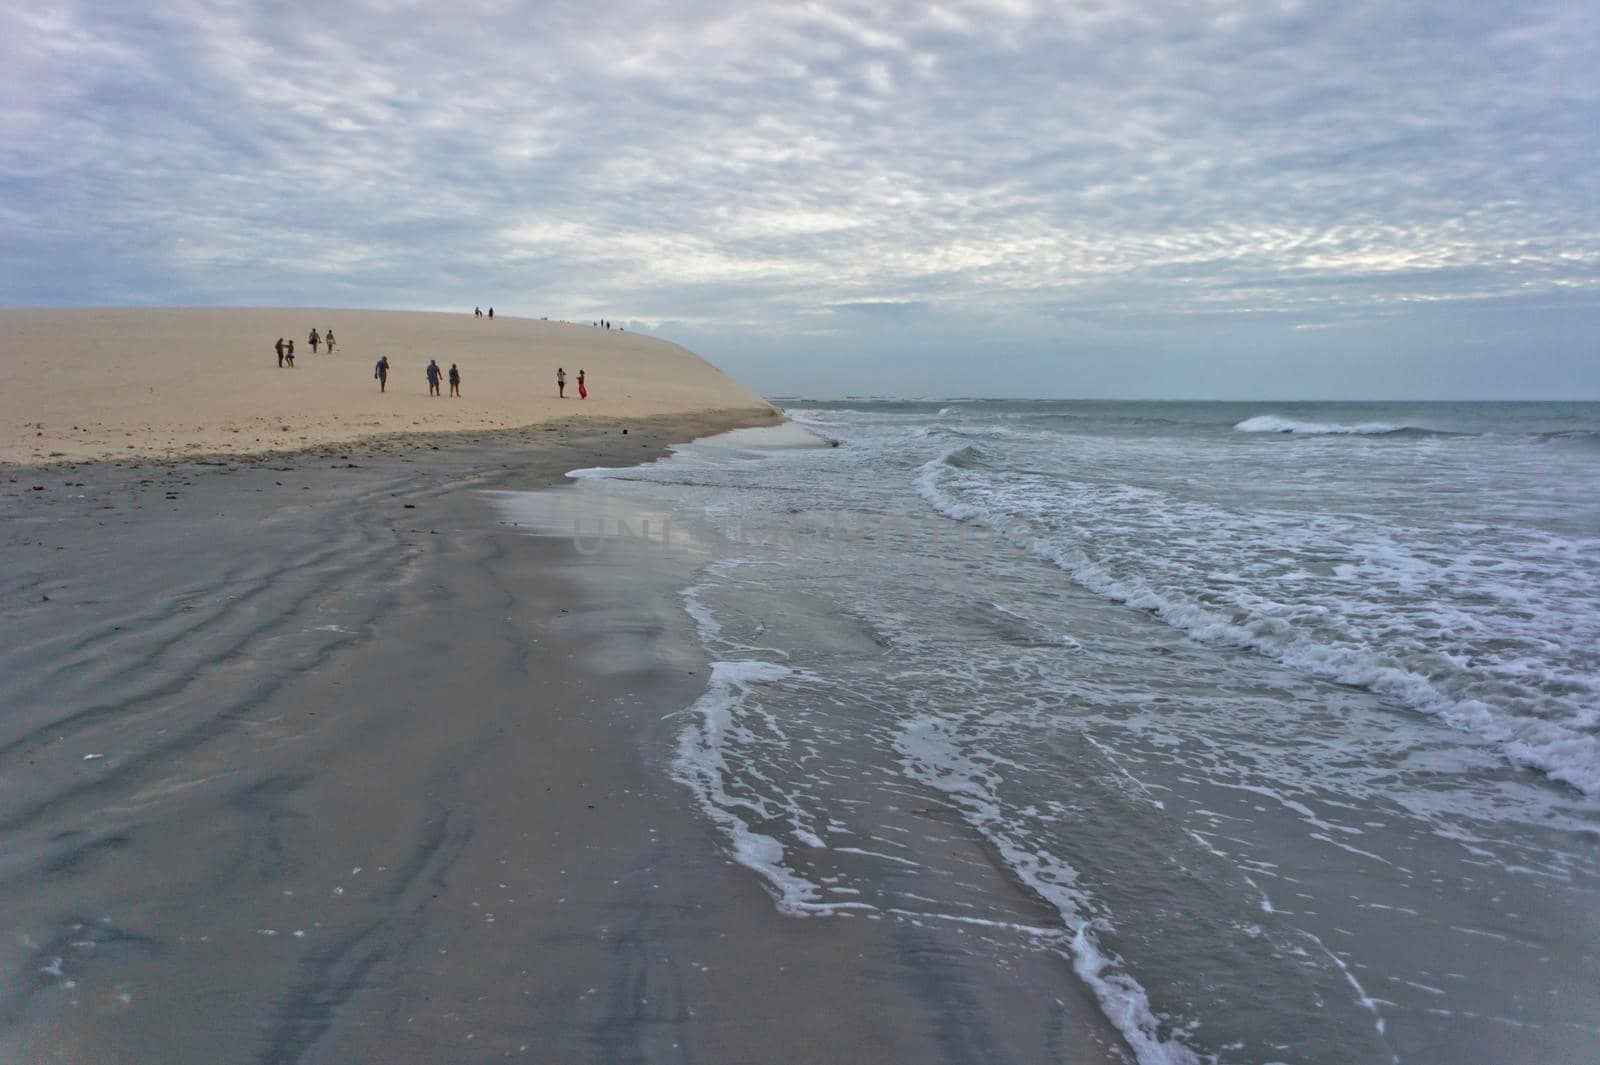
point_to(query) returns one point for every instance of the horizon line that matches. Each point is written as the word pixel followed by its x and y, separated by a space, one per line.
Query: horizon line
pixel 774 398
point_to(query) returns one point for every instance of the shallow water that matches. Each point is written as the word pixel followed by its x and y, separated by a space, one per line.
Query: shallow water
pixel 1288 712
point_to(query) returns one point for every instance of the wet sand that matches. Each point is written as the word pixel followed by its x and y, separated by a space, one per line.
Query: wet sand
pixel 307 759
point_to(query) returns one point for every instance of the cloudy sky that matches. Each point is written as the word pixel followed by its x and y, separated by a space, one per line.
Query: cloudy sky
pixel 1209 198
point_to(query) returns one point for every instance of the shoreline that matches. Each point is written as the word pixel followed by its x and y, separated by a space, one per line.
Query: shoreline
pixel 316 760
pixel 713 420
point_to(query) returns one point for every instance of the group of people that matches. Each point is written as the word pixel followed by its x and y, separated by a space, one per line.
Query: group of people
pixel 433 373
pixel 477 312
pixel 603 324
pixel 286 350
pixel 561 384
pixel 380 373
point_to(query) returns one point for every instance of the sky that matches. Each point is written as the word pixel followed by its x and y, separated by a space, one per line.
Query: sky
pixel 1106 198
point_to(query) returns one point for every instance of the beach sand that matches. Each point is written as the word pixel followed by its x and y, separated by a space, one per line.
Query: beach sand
pixel 308 758
pixel 116 382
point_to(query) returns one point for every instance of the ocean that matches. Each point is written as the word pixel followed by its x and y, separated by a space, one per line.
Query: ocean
pixel 1282 719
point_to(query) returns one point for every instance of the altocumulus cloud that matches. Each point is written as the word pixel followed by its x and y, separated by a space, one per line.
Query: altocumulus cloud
pixel 1118 197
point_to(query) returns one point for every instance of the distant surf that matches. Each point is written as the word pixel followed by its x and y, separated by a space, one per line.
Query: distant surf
pixel 1272 423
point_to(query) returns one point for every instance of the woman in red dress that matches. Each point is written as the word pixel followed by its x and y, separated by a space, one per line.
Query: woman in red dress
pixel 583 392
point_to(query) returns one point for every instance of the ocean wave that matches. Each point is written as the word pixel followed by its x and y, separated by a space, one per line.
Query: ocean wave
pixel 811 416
pixel 1564 750
pixel 933 753
pixel 1272 423
pixel 964 457
pixel 928 485
pixel 1582 437
pixel 720 759
pixel 999 433
pixel 702 766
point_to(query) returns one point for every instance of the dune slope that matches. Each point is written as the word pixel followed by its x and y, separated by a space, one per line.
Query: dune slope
pixel 86 383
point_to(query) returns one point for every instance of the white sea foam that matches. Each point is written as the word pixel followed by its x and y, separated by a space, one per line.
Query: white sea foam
pixel 1272 423
pixel 1391 620
pixel 934 754
pixel 733 745
pixel 703 765
pixel 595 473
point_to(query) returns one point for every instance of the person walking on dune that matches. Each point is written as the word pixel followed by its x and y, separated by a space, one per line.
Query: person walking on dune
pixel 290 355
pixel 313 340
pixel 455 381
pixel 279 346
pixel 583 391
pixel 380 371
pixel 432 373
pixel 328 337
pixel 561 382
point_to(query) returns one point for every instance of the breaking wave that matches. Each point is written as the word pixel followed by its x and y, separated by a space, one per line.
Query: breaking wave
pixel 1272 423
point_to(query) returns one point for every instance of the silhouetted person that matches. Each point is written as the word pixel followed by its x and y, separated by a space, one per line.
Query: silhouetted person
pixel 279 346
pixel 477 312
pixel 455 381
pixel 381 372
pixel 290 354
pixel 561 382
pixel 433 377
pixel 491 312
pixel 313 340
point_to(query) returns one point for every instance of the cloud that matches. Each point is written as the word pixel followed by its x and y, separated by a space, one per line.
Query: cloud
pixel 755 167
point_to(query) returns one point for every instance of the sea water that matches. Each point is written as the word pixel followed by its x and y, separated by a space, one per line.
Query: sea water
pixel 1289 712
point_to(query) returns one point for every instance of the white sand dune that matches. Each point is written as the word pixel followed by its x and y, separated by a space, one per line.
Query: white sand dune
pixel 86 383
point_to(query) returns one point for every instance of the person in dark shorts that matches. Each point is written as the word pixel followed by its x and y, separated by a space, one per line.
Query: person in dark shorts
pixel 381 372
pixel 433 377
pixel 455 381
pixel 313 340
pixel 561 382
pixel 290 355
pixel 279 347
